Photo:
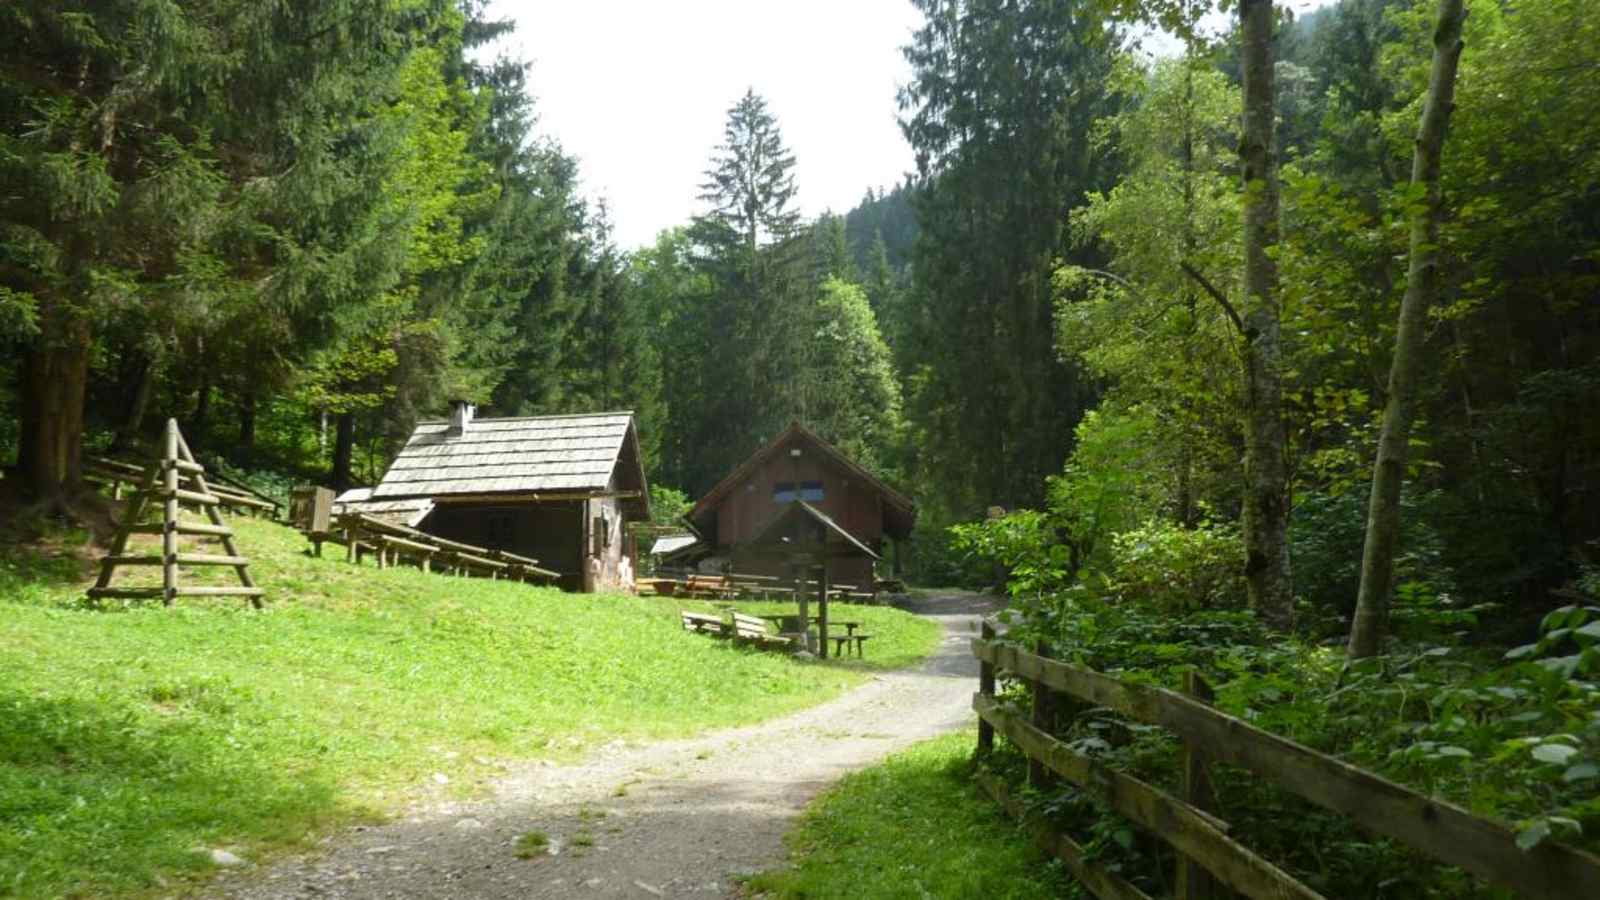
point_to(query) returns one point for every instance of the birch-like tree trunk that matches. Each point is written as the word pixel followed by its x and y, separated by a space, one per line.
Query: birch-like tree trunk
pixel 1422 288
pixel 1266 506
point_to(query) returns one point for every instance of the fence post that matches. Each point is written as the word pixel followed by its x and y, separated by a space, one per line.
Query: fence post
pixel 986 688
pixel 1044 707
pixel 1194 882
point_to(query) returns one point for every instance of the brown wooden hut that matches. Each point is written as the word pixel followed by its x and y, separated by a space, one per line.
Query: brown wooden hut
pixel 559 489
pixel 800 466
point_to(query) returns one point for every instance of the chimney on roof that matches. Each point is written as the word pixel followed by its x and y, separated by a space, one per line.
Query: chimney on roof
pixel 461 413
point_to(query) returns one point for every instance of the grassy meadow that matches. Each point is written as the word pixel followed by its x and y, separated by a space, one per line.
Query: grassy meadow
pixel 131 736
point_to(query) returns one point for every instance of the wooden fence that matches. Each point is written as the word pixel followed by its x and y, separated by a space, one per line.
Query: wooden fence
pixel 391 544
pixel 1207 854
pixel 234 495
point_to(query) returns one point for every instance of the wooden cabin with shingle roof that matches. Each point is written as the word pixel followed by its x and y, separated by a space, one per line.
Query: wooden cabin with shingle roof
pixel 839 494
pixel 559 489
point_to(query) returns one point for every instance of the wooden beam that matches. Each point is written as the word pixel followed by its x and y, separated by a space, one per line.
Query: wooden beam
pixel 170 512
pixel 183 528
pixel 223 591
pixel 209 559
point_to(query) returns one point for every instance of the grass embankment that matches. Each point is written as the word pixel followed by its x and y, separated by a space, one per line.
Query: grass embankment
pixel 912 827
pixel 130 737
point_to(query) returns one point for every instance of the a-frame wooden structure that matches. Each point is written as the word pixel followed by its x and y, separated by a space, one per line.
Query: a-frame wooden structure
pixel 165 481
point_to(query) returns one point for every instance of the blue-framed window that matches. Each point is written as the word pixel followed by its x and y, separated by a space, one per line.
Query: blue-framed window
pixel 784 492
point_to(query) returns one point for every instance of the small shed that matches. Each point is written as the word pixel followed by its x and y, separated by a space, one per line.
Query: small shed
pixel 808 544
pixel 559 489
pixel 798 467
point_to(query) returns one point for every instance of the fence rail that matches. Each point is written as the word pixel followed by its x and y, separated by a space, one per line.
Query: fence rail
pixel 391 543
pixel 116 473
pixel 1439 829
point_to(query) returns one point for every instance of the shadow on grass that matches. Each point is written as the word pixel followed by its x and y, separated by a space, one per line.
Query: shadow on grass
pixel 109 797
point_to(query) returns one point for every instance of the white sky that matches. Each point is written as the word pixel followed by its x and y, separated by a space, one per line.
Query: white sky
pixel 638 92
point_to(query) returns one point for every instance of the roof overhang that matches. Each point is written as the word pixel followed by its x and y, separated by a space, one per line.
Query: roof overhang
pixel 800 529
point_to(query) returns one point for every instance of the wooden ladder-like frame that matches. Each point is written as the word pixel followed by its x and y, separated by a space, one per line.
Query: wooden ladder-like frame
pixel 163 481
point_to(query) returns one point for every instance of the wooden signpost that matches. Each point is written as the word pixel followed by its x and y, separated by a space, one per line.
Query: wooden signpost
pixel 174 480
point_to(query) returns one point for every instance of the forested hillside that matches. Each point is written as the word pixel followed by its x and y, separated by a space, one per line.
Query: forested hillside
pixel 301 227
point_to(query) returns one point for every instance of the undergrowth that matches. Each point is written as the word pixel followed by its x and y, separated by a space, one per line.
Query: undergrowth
pixel 1512 736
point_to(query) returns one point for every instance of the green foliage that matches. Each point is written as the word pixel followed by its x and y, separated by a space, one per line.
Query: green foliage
pixel 1167 567
pixel 911 827
pixel 1325 542
pixel 1118 476
pixel 668 505
pixel 135 734
pixel 1021 550
pixel 855 397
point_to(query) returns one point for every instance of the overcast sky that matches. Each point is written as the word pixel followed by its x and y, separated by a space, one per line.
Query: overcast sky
pixel 638 92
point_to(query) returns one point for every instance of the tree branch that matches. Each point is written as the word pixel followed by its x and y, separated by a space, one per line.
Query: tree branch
pixel 1216 295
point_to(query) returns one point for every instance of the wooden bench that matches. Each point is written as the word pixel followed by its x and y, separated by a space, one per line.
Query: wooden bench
pixel 700 623
pixel 840 641
pixel 753 630
pixel 707 586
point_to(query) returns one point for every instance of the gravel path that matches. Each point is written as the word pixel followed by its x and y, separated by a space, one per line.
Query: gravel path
pixel 668 819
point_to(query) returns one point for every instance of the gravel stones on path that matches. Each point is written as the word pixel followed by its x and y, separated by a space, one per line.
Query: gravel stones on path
pixel 677 818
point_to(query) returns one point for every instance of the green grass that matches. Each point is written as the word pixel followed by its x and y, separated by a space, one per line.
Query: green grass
pixel 913 827
pixel 131 736
pixel 531 845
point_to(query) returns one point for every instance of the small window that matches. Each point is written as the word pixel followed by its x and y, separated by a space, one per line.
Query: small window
pixel 784 492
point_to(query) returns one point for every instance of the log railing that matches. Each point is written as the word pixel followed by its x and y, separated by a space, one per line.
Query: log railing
pixel 1206 852
pixel 232 494
pixel 391 543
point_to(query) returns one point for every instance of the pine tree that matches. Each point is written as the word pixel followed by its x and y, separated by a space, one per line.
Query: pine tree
pixel 185 160
pixel 751 247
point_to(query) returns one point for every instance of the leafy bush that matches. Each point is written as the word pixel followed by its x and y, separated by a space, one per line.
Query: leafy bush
pixel 667 505
pixel 1114 479
pixel 1172 568
pixel 1023 549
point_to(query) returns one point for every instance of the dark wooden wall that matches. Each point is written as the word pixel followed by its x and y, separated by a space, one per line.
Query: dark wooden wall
pixel 552 533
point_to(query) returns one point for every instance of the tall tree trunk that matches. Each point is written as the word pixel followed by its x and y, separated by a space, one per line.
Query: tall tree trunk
pixel 54 375
pixel 1422 288
pixel 200 425
pixel 138 403
pixel 1191 243
pixel 247 422
pixel 344 445
pixel 1266 506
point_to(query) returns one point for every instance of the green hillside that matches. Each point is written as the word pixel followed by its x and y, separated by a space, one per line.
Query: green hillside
pixel 131 737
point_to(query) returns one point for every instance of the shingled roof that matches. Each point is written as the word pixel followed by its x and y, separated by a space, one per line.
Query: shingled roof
pixel 576 453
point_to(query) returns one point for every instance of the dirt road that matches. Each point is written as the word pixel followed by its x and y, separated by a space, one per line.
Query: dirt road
pixel 668 819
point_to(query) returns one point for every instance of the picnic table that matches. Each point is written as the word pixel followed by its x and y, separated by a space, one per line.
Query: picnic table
pixel 790 623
